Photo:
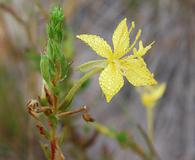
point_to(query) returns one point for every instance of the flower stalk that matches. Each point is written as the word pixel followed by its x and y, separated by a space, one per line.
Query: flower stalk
pixel 67 100
pixel 150 123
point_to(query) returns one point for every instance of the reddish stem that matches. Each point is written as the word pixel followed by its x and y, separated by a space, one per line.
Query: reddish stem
pixel 53 149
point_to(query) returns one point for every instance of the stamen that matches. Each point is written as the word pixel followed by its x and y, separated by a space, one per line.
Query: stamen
pixel 135 51
pixel 132 26
pixel 140 44
pixel 150 45
pixel 135 41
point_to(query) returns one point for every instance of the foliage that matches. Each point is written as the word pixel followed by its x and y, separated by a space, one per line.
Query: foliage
pixel 54 66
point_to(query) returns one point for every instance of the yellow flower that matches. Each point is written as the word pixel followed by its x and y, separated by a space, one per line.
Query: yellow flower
pixel 152 94
pixel 132 67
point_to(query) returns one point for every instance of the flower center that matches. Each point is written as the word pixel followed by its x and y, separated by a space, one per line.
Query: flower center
pixel 117 64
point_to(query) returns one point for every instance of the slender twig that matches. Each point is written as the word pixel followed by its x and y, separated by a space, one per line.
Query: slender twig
pixel 150 145
pixel 68 113
pixel 150 121
pixel 43 109
pixel 136 148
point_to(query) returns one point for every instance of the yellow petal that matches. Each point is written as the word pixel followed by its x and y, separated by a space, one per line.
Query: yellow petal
pixel 157 91
pixel 136 72
pixel 98 44
pixel 142 50
pixel 110 81
pixel 120 39
pixel 152 94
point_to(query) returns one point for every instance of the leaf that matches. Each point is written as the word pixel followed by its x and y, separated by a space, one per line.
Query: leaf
pixel 68 45
pixel 64 67
pixel 54 120
pixel 85 85
pixel 86 67
pixel 55 89
pixel 53 50
pixel 55 26
pixel 44 66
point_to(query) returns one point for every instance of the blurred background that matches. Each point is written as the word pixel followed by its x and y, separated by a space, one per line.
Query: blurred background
pixel 170 23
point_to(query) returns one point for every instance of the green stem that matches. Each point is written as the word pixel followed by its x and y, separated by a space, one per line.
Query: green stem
pixel 152 150
pixel 130 142
pixel 45 151
pixel 150 121
pixel 67 100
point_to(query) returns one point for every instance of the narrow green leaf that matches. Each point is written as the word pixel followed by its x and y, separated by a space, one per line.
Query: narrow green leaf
pixel 54 120
pixel 55 26
pixel 91 65
pixel 68 45
pixel 53 50
pixel 44 66
pixel 64 67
